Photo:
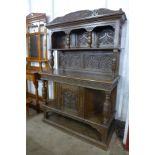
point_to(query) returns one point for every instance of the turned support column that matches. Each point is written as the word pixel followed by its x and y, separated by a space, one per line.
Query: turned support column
pixel 106 107
pixel 44 91
pixel 68 40
pixel 89 30
pixel 89 38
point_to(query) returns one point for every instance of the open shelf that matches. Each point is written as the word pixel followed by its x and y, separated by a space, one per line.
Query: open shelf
pixel 50 107
pixel 81 130
pixel 75 125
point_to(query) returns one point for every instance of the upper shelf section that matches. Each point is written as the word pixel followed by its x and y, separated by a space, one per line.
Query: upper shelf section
pixel 88 41
pixel 87 16
pixel 98 29
pixel 100 37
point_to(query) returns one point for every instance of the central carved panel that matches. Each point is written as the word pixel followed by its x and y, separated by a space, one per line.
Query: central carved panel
pixel 86 61
pixel 69 99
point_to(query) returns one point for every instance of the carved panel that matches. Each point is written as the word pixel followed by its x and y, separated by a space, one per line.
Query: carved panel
pixel 82 39
pixel 70 99
pixel 68 60
pixel 79 38
pixel 86 61
pixel 105 37
pixel 99 62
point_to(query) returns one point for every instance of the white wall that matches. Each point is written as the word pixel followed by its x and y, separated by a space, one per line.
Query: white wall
pixel 62 7
pixel 55 8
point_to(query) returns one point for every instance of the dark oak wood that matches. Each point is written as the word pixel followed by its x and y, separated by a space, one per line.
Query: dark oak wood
pixel 85 83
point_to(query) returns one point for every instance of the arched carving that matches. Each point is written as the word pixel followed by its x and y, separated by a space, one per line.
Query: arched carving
pixel 104 36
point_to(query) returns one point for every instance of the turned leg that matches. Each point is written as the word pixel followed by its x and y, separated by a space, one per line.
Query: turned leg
pixel 106 107
pixel 44 91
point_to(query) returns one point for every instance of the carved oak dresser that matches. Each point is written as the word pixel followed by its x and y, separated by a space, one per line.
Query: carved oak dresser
pixel 85 81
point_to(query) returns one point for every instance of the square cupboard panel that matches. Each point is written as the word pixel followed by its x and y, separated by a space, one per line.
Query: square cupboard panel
pixel 71 99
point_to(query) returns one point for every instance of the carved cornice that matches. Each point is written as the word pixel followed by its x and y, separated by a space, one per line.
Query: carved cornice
pixel 86 15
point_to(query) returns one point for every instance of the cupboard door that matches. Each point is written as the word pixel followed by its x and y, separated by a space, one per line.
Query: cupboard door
pixel 71 99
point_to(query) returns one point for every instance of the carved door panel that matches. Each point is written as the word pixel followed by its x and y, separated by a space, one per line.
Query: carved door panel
pixel 72 99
